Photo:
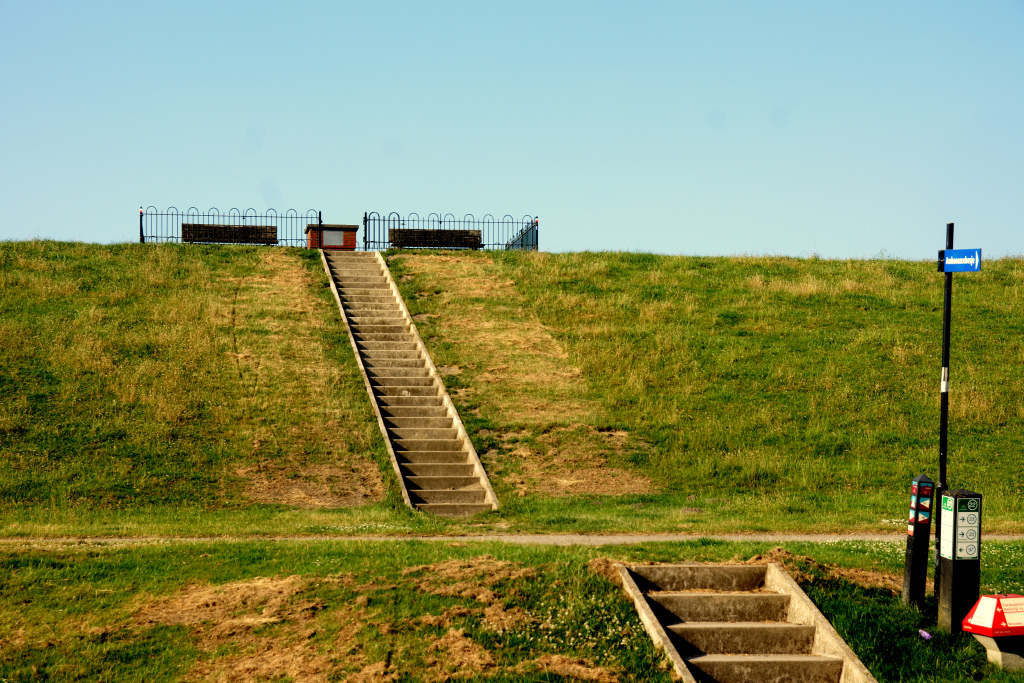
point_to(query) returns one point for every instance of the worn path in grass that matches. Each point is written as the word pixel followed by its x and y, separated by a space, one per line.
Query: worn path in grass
pixel 517 539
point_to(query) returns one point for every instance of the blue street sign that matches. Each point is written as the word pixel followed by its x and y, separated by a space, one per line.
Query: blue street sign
pixel 959 260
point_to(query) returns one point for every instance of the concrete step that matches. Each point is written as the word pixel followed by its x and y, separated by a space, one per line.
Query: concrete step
pixel 767 668
pixel 428 433
pixel 709 577
pixel 349 298
pixel 382 354
pixel 399 412
pixel 382 363
pixel 419 497
pixel 364 289
pixel 428 444
pixel 411 392
pixel 391 329
pixel 402 381
pixel 388 345
pixel 394 423
pixel 454 509
pixel 433 457
pixel 373 319
pixel 362 307
pixel 399 401
pixel 438 469
pixel 398 372
pixel 444 483
pixel 371 337
pixel 753 638
pixel 723 606
pixel 361 280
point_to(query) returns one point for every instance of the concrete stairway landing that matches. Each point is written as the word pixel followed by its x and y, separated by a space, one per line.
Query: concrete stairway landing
pixel 434 460
pixel 739 623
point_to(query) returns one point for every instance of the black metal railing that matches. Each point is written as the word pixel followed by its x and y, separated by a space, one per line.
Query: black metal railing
pixel 234 227
pixel 445 231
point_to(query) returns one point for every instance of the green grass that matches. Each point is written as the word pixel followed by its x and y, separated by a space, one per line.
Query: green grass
pixel 210 391
pixel 760 393
pixel 154 383
pixel 125 614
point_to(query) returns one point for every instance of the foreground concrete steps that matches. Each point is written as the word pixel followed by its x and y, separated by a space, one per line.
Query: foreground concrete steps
pixel 742 637
pixel 433 458
pixel 767 668
pixel 739 623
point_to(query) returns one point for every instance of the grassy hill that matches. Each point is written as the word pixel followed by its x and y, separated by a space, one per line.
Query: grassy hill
pixel 151 389
pixel 757 393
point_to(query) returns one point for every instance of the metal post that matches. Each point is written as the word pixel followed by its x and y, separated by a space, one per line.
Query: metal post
pixel 943 411
pixel 365 230
pixel 915 568
pixel 142 236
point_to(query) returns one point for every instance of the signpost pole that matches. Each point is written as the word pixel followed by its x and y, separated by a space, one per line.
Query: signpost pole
pixel 943 409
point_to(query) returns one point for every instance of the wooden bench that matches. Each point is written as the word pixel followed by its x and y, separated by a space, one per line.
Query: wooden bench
pixel 434 238
pixel 228 234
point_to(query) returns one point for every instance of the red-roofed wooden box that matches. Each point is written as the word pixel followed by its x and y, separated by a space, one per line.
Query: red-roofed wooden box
pixel 330 236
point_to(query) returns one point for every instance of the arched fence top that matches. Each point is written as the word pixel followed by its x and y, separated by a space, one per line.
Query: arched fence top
pixel 236 226
pixel 437 230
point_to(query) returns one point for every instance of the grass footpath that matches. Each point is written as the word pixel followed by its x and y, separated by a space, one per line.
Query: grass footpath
pixel 414 611
pixel 617 390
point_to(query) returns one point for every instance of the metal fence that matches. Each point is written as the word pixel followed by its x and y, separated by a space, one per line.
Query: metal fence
pixel 445 231
pixel 234 227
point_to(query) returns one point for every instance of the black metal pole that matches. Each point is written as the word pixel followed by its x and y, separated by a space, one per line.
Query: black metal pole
pixel 365 229
pixel 947 307
pixel 142 236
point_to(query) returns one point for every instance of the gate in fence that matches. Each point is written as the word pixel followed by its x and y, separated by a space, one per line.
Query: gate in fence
pixel 437 231
pixel 234 227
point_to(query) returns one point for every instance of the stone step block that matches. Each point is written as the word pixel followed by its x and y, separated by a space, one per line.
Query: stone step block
pixel 767 668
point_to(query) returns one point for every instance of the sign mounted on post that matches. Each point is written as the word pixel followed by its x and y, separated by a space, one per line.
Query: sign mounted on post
pixel 960 555
pixel 959 260
pixel 950 261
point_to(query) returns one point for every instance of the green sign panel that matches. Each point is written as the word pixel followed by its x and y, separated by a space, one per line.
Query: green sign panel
pixel 968 504
pixel 947 503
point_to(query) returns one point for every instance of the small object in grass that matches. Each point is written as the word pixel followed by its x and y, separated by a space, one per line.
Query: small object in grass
pixel 925 634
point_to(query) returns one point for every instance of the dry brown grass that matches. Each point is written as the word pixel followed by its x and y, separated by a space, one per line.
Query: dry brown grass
pixel 279 356
pixel 508 369
pixel 520 373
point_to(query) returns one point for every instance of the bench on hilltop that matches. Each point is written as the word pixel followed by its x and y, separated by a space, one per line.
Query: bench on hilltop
pixel 435 238
pixel 228 234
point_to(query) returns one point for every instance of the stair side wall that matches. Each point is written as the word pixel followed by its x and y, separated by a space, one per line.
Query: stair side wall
pixel 446 401
pixel 653 627
pixel 826 640
pixel 366 377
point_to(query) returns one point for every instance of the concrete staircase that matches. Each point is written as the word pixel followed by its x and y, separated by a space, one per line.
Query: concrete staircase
pixel 434 460
pixel 739 623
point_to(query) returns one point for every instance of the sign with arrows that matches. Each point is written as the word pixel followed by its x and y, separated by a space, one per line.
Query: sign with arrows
pixel 959 260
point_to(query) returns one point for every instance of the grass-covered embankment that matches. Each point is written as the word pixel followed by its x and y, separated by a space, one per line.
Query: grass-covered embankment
pixel 177 389
pixel 324 611
pixel 717 394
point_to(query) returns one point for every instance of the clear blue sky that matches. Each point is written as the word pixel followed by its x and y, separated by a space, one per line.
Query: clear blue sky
pixel 842 129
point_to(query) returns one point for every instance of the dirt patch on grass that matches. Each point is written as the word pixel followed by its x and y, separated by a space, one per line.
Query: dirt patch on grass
pixel 606 567
pixel 237 613
pixel 263 599
pixel 804 568
pixel 312 486
pixel 573 460
pixel 470 578
pixel 460 657
pixel 579 669
pixel 316 456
